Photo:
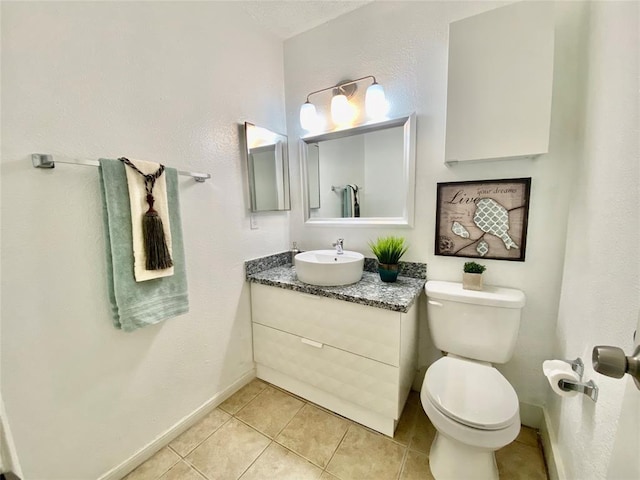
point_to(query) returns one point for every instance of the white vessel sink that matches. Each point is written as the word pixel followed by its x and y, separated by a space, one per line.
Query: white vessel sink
pixel 326 268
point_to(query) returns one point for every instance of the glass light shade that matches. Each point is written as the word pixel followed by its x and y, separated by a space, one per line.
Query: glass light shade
pixel 375 102
pixel 308 116
pixel 341 111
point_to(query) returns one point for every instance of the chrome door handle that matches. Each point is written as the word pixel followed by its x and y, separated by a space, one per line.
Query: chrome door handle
pixel 612 361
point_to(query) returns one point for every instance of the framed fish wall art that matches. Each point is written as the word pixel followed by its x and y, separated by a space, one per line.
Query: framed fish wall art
pixel 483 218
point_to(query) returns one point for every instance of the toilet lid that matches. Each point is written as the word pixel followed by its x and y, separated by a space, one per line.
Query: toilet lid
pixel 472 393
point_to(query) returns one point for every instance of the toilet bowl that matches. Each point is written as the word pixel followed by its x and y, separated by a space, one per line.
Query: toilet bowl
pixel 472 406
pixel 475 412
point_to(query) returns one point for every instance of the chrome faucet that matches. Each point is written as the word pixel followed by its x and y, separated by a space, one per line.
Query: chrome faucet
pixel 339 244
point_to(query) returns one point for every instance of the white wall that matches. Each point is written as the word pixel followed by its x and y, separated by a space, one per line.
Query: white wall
pixel 159 81
pixel 384 174
pixel 600 301
pixel 404 44
pixel 335 171
pixel 165 81
pixel 374 162
pixel 265 177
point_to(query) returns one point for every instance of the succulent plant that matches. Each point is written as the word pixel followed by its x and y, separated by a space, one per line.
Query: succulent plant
pixel 473 267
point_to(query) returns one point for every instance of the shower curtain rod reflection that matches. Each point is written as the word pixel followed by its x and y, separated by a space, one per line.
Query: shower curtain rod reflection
pixel 45 160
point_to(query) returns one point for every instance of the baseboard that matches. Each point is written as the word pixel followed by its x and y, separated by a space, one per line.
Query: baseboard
pixel 531 415
pixel 174 431
pixel 550 449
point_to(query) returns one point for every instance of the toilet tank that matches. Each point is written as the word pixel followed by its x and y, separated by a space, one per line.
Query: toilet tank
pixel 481 325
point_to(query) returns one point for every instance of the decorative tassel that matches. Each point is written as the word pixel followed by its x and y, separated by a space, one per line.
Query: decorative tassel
pixel 155 245
pixel 356 205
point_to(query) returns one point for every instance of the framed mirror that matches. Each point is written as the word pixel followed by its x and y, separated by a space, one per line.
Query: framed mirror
pixel 361 176
pixel 268 169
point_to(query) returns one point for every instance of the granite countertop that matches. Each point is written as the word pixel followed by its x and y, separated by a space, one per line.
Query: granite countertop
pixel 370 290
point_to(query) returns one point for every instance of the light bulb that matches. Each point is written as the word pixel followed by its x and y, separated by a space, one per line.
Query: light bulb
pixel 308 116
pixel 341 111
pixel 375 102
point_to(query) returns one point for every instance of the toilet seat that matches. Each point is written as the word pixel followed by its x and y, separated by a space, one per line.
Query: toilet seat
pixel 472 393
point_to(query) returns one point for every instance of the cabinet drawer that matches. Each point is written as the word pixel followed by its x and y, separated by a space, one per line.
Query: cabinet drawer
pixel 365 382
pixel 368 331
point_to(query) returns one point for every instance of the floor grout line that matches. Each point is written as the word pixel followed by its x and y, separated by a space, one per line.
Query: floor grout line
pixel 413 437
pixel 202 441
pixel 165 471
pixel 196 469
pixel 271 440
pixel 402 464
pixel 288 422
pixel 173 450
pixel 336 450
pixel 255 460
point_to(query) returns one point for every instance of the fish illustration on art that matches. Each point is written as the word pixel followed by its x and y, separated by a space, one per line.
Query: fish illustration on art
pixel 459 230
pixel 493 218
pixel 482 248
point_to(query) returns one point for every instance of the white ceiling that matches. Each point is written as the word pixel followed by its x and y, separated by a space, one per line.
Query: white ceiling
pixel 289 18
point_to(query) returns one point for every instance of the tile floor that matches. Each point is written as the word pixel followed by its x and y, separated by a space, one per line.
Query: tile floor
pixel 263 432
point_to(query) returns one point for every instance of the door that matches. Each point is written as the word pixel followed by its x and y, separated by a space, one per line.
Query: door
pixel 625 458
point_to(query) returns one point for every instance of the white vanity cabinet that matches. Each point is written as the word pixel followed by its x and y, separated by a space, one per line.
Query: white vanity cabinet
pixel 500 83
pixel 356 360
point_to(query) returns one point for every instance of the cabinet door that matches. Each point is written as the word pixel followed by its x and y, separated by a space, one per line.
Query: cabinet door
pixel 371 332
pixel 370 384
pixel 500 83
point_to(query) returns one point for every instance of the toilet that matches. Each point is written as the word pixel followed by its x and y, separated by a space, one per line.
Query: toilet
pixel 472 406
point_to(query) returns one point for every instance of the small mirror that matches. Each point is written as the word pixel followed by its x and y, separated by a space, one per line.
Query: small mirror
pixel 361 176
pixel 268 169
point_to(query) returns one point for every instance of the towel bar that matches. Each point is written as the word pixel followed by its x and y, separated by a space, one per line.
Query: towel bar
pixel 339 188
pixel 45 160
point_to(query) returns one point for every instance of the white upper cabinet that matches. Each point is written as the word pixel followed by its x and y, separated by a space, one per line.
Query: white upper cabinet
pixel 500 83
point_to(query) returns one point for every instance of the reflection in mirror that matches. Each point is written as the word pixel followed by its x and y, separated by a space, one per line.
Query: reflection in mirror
pixel 362 175
pixel 268 169
pixel 313 172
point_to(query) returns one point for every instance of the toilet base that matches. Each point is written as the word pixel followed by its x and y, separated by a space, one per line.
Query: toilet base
pixel 452 460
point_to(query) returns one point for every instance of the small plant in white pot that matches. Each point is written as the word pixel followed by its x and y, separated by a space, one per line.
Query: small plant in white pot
pixel 472 276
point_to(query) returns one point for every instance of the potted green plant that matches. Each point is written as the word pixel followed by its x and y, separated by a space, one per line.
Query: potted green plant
pixel 388 251
pixel 472 276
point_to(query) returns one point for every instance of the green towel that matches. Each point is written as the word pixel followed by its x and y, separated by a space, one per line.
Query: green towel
pixel 137 304
pixel 346 202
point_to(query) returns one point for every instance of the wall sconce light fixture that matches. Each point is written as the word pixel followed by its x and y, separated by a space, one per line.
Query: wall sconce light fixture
pixel 343 112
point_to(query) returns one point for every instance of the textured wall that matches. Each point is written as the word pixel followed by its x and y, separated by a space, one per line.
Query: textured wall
pixel 165 81
pixel 404 44
pixel 600 301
